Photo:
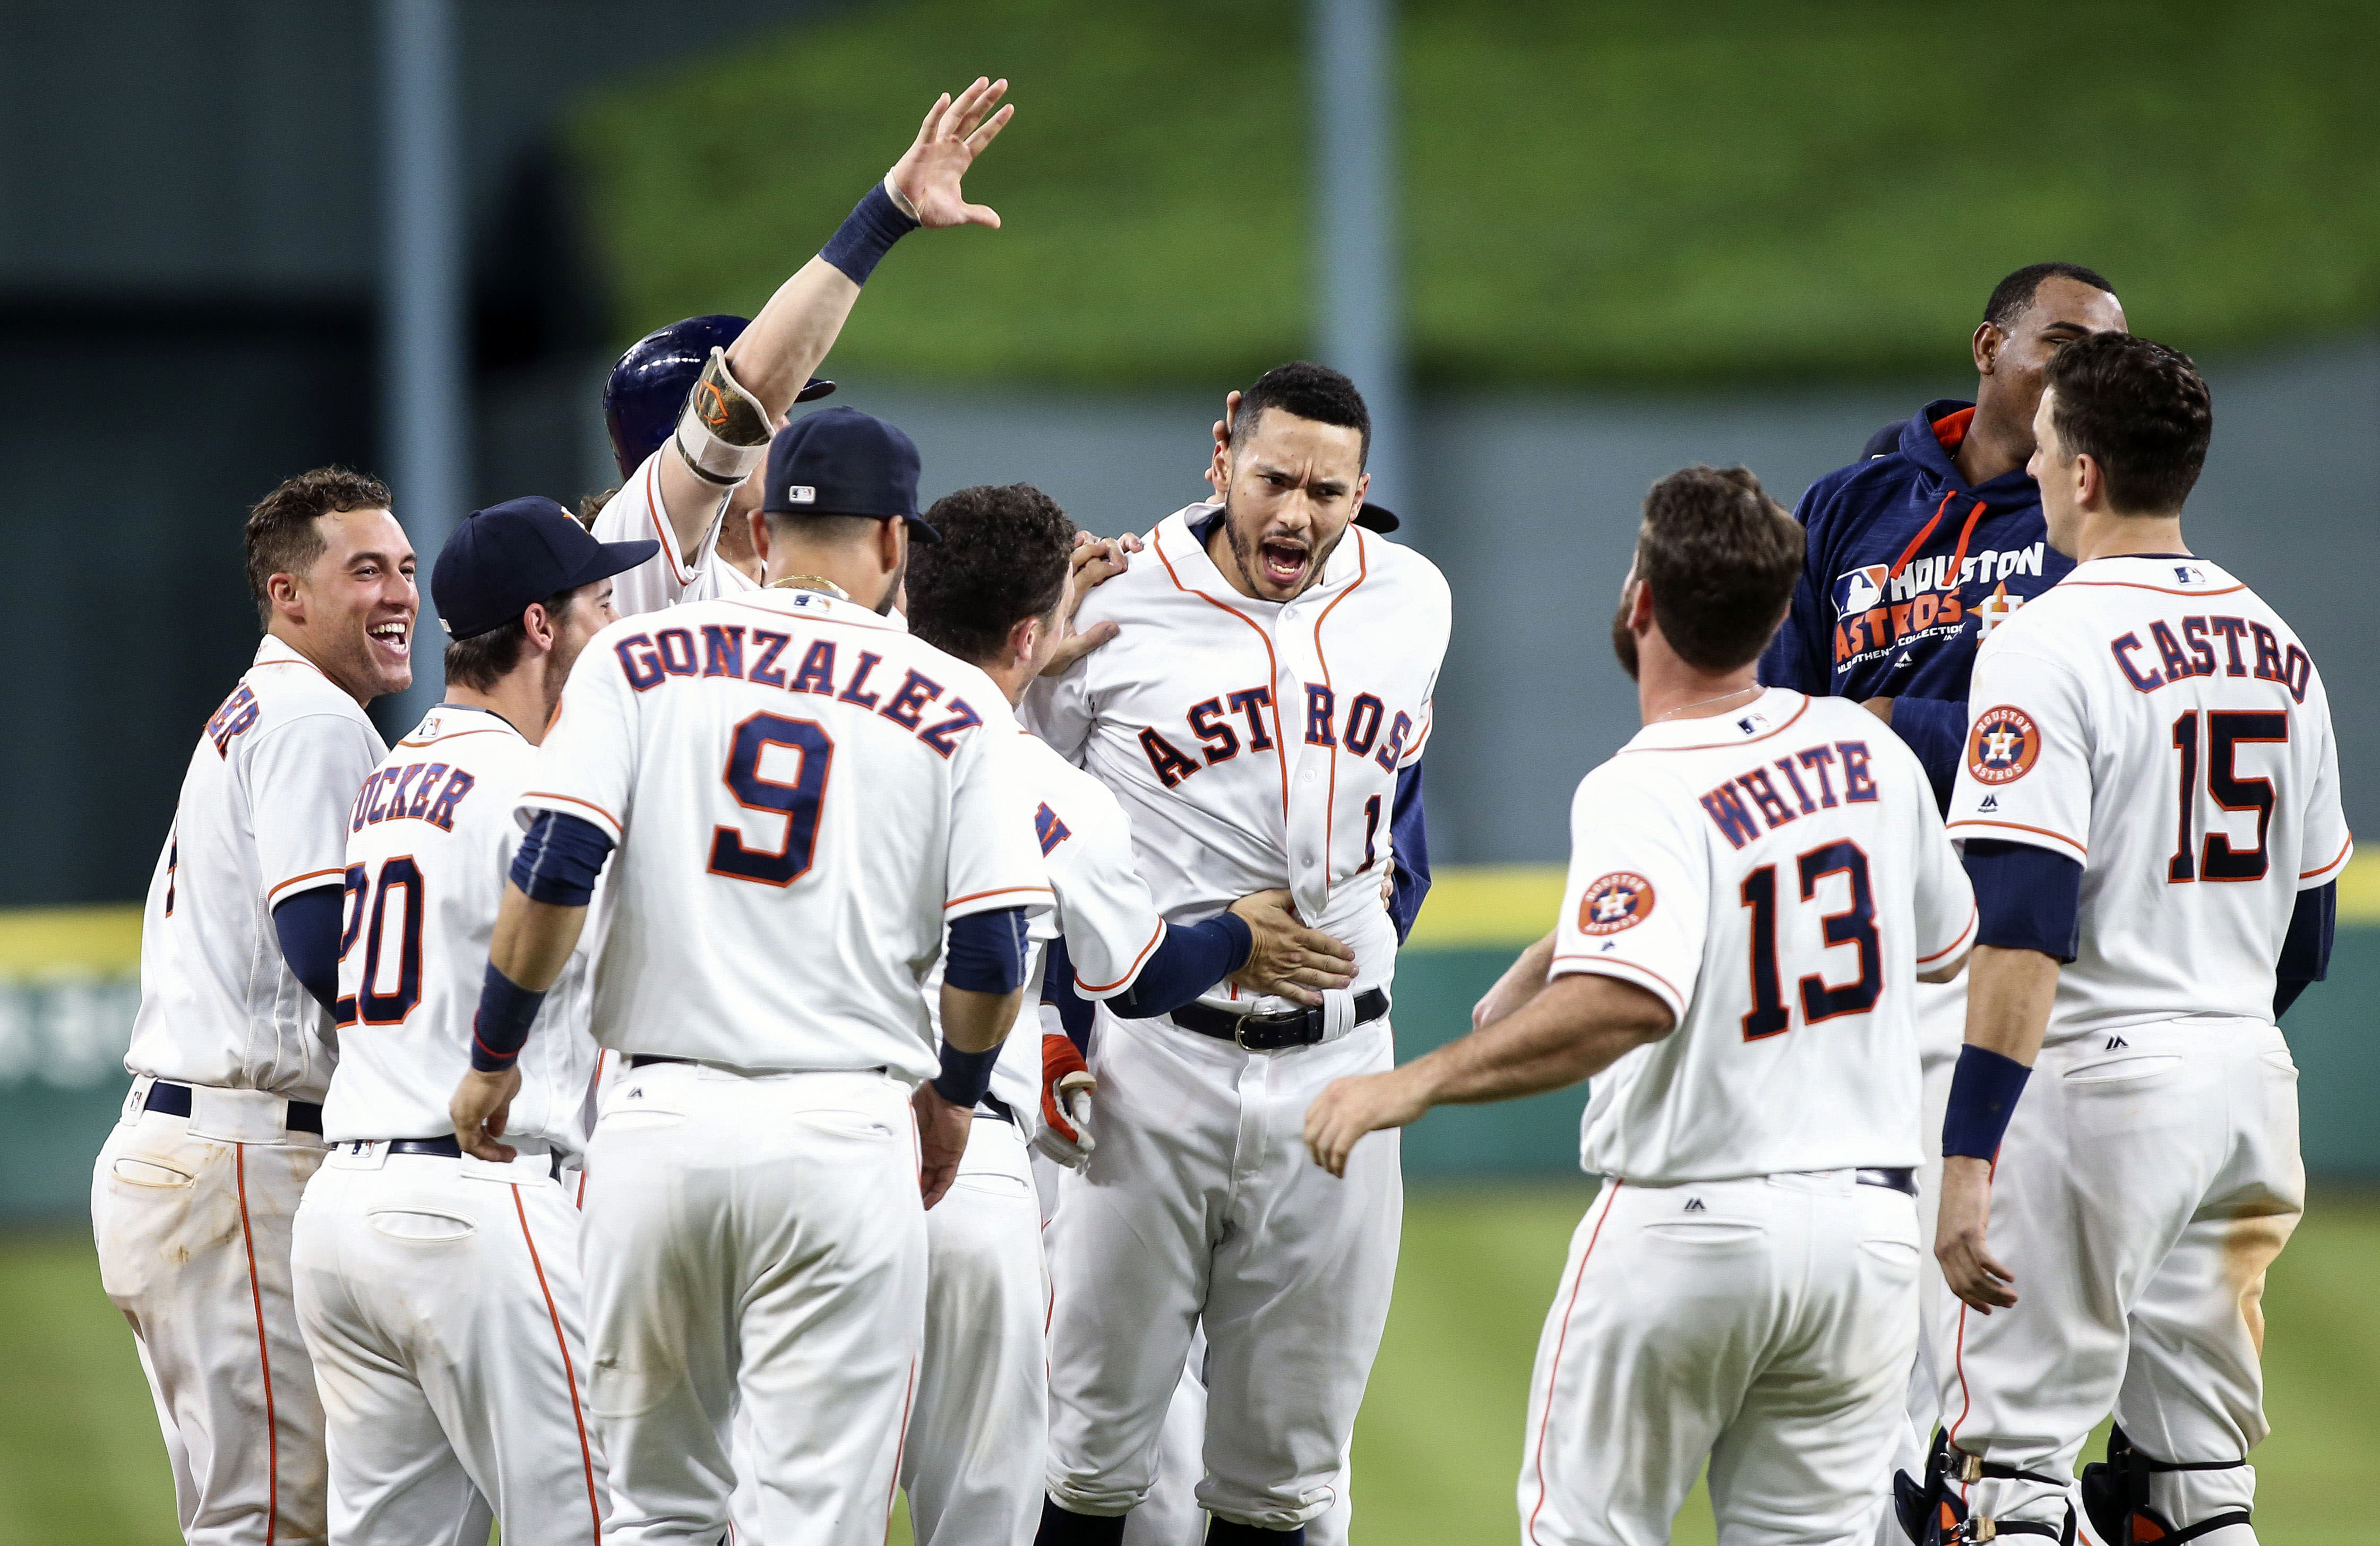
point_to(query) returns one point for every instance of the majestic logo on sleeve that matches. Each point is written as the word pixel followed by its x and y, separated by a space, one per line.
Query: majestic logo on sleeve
pixel 2003 746
pixel 1620 900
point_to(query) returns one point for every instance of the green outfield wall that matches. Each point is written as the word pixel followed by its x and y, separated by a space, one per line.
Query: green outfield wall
pixel 69 984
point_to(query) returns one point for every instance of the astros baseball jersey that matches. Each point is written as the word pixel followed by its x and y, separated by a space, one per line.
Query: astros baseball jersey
pixel 1256 744
pixel 430 841
pixel 2151 719
pixel 1778 876
pixel 666 578
pixel 262 817
pixel 803 796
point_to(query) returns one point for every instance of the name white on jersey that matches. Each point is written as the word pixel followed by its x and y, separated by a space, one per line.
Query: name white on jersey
pixel 430 841
pixel 803 796
pixel 2154 721
pixel 1778 877
pixel 1257 744
pixel 261 817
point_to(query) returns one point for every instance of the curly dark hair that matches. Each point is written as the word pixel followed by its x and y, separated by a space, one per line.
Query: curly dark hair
pixel 2138 408
pixel 282 538
pixel 1307 391
pixel 1003 558
pixel 1723 558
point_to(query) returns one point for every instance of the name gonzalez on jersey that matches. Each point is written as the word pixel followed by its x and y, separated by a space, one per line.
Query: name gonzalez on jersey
pixel 1877 611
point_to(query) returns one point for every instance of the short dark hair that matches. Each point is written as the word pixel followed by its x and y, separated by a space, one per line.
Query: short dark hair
pixel 484 659
pixel 282 538
pixel 1308 390
pixel 1003 558
pixel 2138 408
pixel 1723 558
pixel 2013 294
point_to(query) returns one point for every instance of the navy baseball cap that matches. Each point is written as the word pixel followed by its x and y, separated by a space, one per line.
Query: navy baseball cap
pixel 507 556
pixel 840 461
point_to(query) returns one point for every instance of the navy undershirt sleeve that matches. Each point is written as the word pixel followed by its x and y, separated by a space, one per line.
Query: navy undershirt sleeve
pixel 1409 840
pixel 2305 952
pixel 1186 963
pixel 1937 732
pixel 559 859
pixel 1058 990
pixel 986 952
pixel 2026 898
pixel 308 927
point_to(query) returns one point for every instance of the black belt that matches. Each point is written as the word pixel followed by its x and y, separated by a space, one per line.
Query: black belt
pixel 1270 1033
pixel 1898 1180
pixel 646 1060
pixel 447 1147
pixel 174 1099
pixel 996 1109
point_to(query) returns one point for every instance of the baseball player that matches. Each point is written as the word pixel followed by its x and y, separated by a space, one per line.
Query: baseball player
pixel 1757 881
pixel 691 407
pixel 232 1047
pixel 802 796
pixel 995 592
pixel 440 1295
pixel 2150 801
pixel 1268 692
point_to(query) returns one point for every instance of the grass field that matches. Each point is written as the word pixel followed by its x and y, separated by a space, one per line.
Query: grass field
pixel 1435 1452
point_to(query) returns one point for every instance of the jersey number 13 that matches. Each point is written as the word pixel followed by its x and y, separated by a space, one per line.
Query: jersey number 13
pixel 1856 925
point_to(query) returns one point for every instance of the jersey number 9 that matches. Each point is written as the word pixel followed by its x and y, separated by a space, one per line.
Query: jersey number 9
pixel 796 800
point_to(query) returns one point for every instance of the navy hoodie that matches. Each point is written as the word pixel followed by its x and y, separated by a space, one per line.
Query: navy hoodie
pixel 1907 570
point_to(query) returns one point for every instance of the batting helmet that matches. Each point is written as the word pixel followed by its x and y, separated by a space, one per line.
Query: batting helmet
pixel 643 400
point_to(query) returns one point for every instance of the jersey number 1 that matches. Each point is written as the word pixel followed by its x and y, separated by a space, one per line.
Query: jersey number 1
pixel 1856 925
pixel 2217 859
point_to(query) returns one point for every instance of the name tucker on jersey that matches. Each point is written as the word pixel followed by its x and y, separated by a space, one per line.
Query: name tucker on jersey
pixel 1365 729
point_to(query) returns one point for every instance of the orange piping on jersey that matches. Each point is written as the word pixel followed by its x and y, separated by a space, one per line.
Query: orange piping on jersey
pixel 458 735
pixel 900 1450
pixel 807 615
pixel 617 825
pixel 1967 929
pixel 1718 746
pixel 2020 826
pixel 310 875
pixel 671 548
pixel 264 1356
pixel 1616 961
pixel 2136 585
pixel 1554 1372
pixel 1001 891
pixel 1128 976
pixel 1330 797
pixel 1281 741
pixel 2344 849
pixel 569 1372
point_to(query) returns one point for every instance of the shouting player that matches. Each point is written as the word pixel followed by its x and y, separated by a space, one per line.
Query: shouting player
pixel 1756 882
pixel 2149 801
pixel 232 1049
pixel 995 592
pixel 802 796
pixel 440 1295
pixel 1269 688
pixel 691 407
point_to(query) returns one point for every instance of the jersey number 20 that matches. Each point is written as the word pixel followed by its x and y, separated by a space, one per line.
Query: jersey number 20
pixel 796 801
pixel 1856 925
pixel 402 876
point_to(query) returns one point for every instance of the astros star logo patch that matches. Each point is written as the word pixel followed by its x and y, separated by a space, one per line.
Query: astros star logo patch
pixel 2003 746
pixel 1620 900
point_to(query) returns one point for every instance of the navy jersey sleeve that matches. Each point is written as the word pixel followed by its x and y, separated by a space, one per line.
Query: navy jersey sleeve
pixel 1797 657
pixel 1409 842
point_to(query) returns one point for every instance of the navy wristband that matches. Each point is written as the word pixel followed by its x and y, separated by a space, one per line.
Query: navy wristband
pixel 502 1024
pixel 964 1076
pixel 866 234
pixel 1984 1092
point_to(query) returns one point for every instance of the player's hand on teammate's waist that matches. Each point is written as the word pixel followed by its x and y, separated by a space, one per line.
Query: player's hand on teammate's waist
pixel 1288 959
pixel 952 135
pixel 1347 1109
pixel 483 1104
pixel 1968 1265
pixel 943 1129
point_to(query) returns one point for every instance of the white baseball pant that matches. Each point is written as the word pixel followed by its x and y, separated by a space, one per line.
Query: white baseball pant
pixel 441 1300
pixel 1942 1032
pixel 2147 1180
pixel 1169 1516
pixel 1200 1206
pixel 755 1246
pixel 192 1220
pixel 978 1430
pixel 1769 1329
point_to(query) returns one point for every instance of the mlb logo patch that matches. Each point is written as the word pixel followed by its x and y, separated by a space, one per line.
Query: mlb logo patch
pixel 1620 900
pixel 1861 590
pixel 2189 573
pixel 2003 746
pixel 800 493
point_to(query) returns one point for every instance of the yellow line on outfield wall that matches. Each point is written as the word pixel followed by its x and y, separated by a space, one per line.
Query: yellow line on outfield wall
pixel 1471 906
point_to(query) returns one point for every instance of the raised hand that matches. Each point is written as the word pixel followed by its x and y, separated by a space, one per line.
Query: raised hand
pixel 954 134
pixel 1288 960
pixel 1096 560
